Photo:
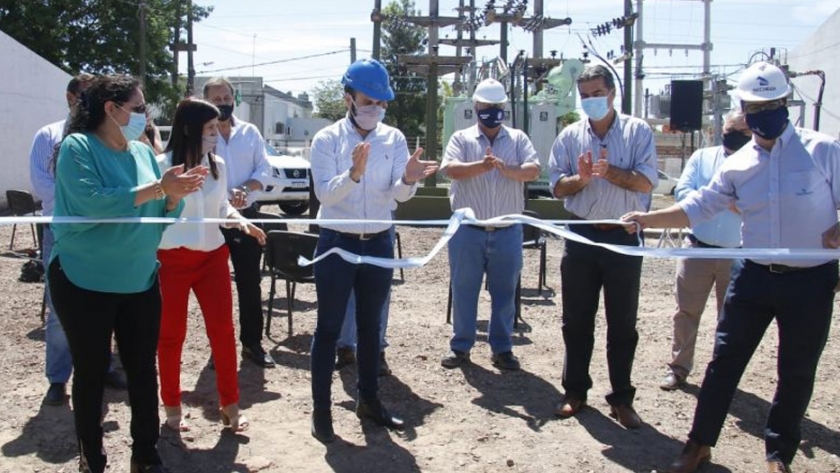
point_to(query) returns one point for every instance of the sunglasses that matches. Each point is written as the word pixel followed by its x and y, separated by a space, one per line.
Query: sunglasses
pixel 756 107
pixel 138 109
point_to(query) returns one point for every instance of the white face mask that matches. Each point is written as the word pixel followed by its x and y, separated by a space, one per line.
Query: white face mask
pixel 367 117
pixel 595 108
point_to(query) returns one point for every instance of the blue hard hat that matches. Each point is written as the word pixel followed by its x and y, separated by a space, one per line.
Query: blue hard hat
pixel 369 77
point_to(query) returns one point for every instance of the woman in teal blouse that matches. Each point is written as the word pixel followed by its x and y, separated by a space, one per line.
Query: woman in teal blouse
pixel 103 276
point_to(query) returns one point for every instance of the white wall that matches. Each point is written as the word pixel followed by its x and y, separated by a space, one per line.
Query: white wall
pixel 32 94
pixel 819 52
pixel 278 110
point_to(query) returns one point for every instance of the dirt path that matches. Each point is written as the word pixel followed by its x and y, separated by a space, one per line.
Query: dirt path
pixel 472 420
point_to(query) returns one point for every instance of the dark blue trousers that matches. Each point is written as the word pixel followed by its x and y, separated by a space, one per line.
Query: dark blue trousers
pixel 801 302
pixel 334 279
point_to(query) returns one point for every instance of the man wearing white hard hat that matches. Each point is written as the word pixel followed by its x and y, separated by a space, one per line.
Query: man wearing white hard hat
pixel 602 166
pixel 786 185
pixel 488 164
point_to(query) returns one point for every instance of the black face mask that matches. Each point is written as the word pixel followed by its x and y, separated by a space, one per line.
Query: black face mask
pixel 226 111
pixel 734 140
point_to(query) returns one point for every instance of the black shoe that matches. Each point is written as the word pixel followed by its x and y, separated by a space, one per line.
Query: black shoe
pixel 344 357
pixel 455 358
pixel 56 395
pixel 376 412
pixel 384 369
pixel 139 468
pixel 114 380
pixel 505 361
pixel 322 428
pixel 256 354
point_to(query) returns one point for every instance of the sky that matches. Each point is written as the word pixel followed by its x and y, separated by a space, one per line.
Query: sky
pixel 309 41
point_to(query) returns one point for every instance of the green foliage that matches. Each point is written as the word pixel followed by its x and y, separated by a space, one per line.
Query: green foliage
pixel 328 98
pixel 569 118
pixel 408 110
pixel 102 36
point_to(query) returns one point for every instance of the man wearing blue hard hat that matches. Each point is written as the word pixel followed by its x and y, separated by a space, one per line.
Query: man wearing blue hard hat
pixel 360 166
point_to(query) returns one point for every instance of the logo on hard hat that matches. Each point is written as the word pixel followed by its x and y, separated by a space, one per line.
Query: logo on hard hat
pixel 763 85
pixel 762 81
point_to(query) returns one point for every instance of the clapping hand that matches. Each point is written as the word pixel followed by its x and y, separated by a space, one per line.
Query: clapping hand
pixel 177 184
pixel 415 169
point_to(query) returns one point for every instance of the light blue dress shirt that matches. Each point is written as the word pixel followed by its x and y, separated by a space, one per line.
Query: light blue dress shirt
pixel 372 198
pixel 490 194
pixel 724 229
pixel 41 173
pixel 629 144
pixel 787 197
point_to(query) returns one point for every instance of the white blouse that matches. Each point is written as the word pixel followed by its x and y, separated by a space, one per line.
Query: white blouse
pixel 209 202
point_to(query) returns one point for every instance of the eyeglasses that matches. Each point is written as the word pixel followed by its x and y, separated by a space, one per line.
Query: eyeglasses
pixel 756 107
pixel 138 109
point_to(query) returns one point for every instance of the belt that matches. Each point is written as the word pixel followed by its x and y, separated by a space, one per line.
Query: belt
pixel 489 229
pixel 363 236
pixel 604 227
pixel 776 268
pixel 700 243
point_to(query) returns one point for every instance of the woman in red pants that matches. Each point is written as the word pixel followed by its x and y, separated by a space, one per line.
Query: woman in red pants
pixel 195 257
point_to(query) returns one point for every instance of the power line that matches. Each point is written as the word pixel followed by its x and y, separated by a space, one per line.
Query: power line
pixel 280 61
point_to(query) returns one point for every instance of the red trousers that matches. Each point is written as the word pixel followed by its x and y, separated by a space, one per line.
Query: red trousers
pixel 208 275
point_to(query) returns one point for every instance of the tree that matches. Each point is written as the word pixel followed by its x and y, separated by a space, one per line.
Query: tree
pixel 329 100
pixel 408 110
pixel 101 36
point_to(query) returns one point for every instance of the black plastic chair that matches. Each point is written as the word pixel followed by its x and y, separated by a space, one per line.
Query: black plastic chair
pixel 534 239
pixel 282 251
pixel 269 226
pixel 22 203
pixel 399 253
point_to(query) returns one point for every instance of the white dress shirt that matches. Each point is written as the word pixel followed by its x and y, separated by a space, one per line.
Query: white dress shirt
pixel 629 144
pixel 211 201
pixel 244 154
pixel 373 196
pixel 490 194
pixel 787 197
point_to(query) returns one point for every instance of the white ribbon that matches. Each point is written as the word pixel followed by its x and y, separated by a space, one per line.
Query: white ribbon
pixel 467 217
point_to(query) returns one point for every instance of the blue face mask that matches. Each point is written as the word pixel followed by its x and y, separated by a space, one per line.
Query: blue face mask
pixel 135 127
pixel 768 124
pixel 491 117
pixel 595 108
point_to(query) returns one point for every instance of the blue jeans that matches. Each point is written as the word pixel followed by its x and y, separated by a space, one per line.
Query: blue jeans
pixel 59 364
pixel 474 251
pixel 347 338
pixel 801 302
pixel 335 279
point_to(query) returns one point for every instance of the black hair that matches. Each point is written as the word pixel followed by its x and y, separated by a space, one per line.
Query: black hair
pixel 185 140
pixel 598 72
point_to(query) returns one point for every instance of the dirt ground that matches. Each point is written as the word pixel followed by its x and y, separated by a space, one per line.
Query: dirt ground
pixel 474 419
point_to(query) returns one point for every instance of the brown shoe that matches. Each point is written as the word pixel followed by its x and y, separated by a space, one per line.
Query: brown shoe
pixel 693 456
pixel 776 466
pixel 626 416
pixel 569 407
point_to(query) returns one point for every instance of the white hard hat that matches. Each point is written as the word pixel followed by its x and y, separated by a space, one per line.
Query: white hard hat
pixel 490 91
pixel 762 82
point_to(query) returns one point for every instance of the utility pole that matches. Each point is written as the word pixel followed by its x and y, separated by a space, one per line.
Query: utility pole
pixel 638 86
pixel 352 50
pixel 176 42
pixel 377 28
pixel 142 12
pixel 191 48
pixel 626 105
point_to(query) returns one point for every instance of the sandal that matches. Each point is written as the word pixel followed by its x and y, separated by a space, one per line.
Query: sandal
pixel 232 419
pixel 174 420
